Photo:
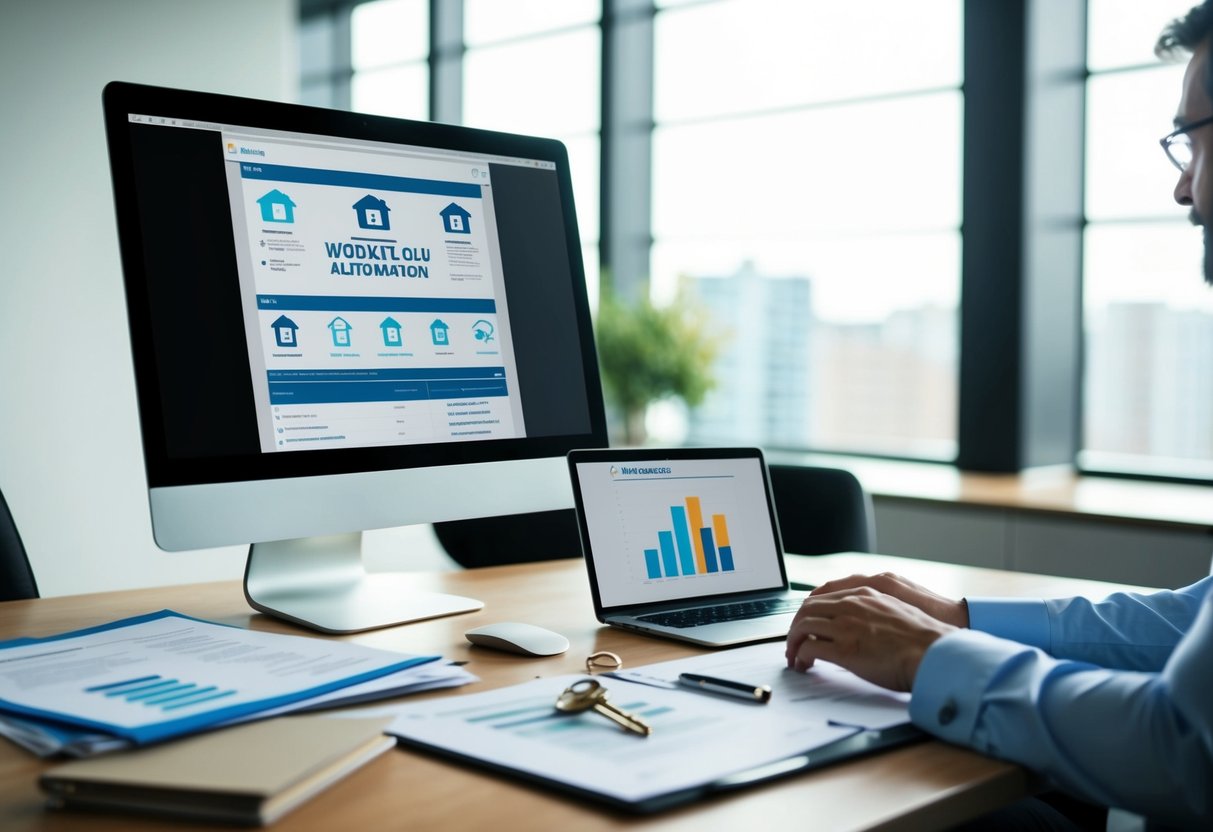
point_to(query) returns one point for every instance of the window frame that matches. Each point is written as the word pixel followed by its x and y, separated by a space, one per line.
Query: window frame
pixel 1021 361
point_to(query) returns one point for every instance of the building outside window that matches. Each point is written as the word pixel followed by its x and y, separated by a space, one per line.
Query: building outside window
pixel 809 193
pixel 1148 387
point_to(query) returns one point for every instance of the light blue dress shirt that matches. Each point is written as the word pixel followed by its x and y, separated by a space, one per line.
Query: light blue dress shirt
pixel 1111 700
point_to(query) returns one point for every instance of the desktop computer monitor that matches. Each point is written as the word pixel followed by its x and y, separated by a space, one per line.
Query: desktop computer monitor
pixel 343 322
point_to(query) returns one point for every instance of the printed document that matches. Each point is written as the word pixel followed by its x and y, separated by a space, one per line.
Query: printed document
pixel 165 674
pixel 697 738
pixel 826 692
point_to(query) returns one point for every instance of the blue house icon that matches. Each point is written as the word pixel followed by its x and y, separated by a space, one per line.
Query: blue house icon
pixel 340 329
pixel 438 333
pixel 372 213
pixel 455 219
pixel 277 207
pixel 284 331
pixel 391 332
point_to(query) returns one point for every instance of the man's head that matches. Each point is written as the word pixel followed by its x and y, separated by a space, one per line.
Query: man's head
pixel 1193 34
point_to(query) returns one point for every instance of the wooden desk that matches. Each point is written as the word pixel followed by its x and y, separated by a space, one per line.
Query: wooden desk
pixel 926 786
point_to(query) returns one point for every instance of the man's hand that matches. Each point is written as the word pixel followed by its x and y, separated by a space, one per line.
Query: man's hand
pixel 946 610
pixel 876 636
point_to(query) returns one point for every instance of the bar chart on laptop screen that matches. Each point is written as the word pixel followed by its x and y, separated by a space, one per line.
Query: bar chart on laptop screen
pixel 679 522
pixel 695 544
pixel 678 528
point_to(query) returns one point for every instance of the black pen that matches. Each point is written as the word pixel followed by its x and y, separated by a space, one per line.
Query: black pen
pixel 711 684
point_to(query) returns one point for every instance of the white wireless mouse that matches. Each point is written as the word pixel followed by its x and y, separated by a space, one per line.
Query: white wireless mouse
pixel 515 637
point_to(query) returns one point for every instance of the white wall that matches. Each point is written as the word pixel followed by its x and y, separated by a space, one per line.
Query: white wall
pixel 71 463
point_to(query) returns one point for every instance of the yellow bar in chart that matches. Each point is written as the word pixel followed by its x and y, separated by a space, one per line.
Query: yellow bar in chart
pixel 721 528
pixel 724 549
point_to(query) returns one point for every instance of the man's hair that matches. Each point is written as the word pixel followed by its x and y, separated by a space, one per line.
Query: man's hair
pixel 1185 34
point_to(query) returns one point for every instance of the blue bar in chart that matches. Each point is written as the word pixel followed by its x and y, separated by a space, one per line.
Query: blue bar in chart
pixel 132 693
pixel 158 692
pixel 122 684
pixel 651 564
pixel 666 539
pixel 721 527
pixel 201 695
pixel 709 550
pixel 686 554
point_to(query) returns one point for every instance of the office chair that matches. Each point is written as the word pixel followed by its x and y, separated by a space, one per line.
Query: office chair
pixel 822 510
pixel 511 538
pixel 16 578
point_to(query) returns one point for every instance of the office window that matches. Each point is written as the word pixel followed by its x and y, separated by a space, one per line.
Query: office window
pixel 534 67
pixel 371 57
pixel 806 187
pixel 389 47
pixel 323 77
pixel 1148 316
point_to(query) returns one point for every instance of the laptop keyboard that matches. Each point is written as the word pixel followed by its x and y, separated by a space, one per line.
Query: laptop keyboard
pixel 699 616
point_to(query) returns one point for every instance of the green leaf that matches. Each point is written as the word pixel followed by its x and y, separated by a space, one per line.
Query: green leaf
pixel 648 353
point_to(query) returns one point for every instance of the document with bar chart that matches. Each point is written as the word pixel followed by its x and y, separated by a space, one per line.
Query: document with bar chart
pixel 696 739
pixel 164 674
pixel 678 528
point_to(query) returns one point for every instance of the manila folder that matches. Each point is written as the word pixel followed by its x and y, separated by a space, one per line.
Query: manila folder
pixel 250 774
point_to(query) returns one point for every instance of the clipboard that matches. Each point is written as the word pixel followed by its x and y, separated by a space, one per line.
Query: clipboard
pixel 700 744
pixel 862 744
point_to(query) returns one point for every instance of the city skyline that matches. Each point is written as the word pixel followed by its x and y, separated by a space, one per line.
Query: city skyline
pixel 889 387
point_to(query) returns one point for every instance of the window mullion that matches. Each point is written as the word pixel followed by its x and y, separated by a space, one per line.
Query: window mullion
pixel 627 138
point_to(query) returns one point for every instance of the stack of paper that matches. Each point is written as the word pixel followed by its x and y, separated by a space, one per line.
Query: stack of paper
pixel 163 675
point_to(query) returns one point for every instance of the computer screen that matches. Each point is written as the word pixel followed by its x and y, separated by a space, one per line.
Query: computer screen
pixel 342 322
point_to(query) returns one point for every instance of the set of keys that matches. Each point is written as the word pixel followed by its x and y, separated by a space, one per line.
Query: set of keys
pixel 589 695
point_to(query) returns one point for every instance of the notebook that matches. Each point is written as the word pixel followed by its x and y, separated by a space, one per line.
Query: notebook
pixel 250 774
pixel 683 543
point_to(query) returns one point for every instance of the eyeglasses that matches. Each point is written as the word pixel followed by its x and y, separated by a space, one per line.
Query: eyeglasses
pixel 1178 144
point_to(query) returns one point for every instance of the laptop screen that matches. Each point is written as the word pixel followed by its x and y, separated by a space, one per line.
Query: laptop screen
pixel 674 529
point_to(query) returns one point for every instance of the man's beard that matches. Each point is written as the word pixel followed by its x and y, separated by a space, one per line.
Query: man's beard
pixel 1208 235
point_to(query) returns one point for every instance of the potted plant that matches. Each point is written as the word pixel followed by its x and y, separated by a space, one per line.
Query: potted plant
pixel 648 352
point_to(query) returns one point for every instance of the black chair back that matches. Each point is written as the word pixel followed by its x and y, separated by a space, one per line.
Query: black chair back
pixel 16 578
pixel 511 538
pixel 822 510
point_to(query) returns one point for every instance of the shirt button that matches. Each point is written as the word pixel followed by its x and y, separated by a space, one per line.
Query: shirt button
pixel 947 713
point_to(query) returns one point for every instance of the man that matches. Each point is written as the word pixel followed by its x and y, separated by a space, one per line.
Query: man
pixel 1111 701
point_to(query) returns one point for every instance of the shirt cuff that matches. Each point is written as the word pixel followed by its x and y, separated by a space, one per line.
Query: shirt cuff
pixel 952 678
pixel 1017 619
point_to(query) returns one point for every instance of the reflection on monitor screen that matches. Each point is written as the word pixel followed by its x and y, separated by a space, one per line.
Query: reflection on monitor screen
pixel 343 322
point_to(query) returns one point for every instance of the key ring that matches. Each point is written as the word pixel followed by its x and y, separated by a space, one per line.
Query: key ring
pixel 602 660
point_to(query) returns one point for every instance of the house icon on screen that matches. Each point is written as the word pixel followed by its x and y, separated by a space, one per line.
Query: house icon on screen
pixel 340 329
pixel 391 332
pixel 277 207
pixel 284 331
pixel 372 213
pixel 455 219
pixel 438 332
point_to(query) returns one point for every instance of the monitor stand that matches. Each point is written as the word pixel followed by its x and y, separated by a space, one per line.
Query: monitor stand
pixel 322 583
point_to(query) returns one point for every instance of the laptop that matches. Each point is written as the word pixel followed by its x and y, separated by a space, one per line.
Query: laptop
pixel 683 543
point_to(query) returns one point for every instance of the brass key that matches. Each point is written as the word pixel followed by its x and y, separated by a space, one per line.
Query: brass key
pixel 587 695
